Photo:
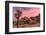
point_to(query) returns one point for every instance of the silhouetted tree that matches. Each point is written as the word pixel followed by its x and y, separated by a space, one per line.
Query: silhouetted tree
pixel 38 18
pixel 17 15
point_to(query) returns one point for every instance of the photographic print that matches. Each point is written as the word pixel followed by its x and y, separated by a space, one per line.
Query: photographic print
pixel 24 17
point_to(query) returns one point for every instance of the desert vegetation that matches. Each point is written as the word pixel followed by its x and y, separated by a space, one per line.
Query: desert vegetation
pixel 25 21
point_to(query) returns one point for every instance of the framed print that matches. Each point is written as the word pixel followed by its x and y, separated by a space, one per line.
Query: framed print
pixel 24 17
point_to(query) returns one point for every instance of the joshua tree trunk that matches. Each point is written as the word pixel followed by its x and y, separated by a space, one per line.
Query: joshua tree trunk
pixel 17 22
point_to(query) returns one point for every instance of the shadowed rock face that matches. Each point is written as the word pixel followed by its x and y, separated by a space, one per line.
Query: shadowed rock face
pixel 28 22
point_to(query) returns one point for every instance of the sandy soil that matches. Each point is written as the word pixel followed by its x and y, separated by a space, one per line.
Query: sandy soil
pixel 27 25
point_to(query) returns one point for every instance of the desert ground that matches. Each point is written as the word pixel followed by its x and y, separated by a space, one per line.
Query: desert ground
pixel 27 22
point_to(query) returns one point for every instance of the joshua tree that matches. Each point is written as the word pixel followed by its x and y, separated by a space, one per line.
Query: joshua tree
pixel 38 18
pixel 17 15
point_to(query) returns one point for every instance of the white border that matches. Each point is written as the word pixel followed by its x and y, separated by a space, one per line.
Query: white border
pixel 11 29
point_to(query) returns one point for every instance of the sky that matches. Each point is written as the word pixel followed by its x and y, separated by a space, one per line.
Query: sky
pixel 26 11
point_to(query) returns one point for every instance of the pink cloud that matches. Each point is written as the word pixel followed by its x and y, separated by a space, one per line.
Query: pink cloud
pixel 31 12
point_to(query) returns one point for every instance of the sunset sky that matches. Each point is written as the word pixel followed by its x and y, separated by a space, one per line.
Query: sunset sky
pixel 26 11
